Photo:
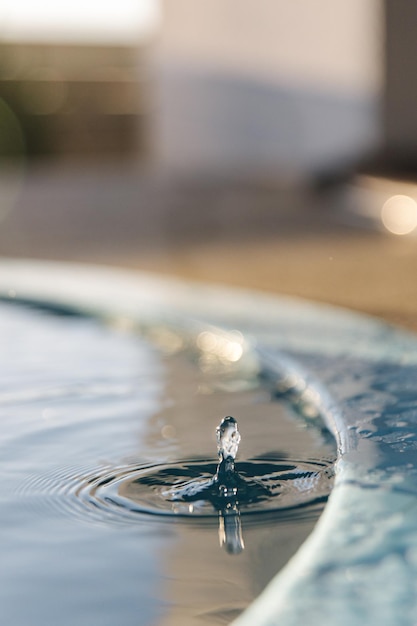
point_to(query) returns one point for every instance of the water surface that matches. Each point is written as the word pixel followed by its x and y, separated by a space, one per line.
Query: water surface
pixel 95 422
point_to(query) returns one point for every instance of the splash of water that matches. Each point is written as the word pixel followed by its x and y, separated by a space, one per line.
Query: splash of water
pixel 222 490
pixel 202 488
pixel 226 478
pixel 228 438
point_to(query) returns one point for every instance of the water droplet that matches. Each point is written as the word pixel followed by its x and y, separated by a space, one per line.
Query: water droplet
pixel 228 438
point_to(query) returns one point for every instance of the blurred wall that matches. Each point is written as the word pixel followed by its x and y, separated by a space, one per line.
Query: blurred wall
pixel 259 86
pixel 400 94
pixel 73 99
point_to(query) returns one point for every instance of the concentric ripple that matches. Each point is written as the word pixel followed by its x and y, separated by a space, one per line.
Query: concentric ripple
pixel 127 493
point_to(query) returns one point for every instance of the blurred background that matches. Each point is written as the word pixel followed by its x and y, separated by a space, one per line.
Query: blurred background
pixel 271 146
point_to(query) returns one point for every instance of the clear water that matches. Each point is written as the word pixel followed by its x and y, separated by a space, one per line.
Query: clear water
pixel 103 432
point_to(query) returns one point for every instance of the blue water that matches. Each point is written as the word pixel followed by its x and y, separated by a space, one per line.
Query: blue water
pixel 290 367
pixel 92 416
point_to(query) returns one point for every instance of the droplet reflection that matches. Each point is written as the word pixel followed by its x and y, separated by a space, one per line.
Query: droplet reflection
pixel 230 529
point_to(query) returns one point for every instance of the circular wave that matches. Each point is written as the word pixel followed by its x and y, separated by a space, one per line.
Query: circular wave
pixel 131 492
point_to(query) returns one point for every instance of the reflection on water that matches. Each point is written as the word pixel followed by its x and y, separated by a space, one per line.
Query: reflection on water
pixel 230 529
pixel 96 423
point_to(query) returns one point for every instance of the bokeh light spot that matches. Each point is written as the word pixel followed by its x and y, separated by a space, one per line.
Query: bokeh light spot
pixel 399 214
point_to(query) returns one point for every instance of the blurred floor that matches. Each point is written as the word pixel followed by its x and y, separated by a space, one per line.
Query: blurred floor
pixel 273 236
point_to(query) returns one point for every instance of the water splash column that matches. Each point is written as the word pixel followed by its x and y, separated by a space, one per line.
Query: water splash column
pixel 230 528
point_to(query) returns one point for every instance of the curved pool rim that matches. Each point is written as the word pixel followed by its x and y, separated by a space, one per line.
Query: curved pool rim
pixel 358 374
